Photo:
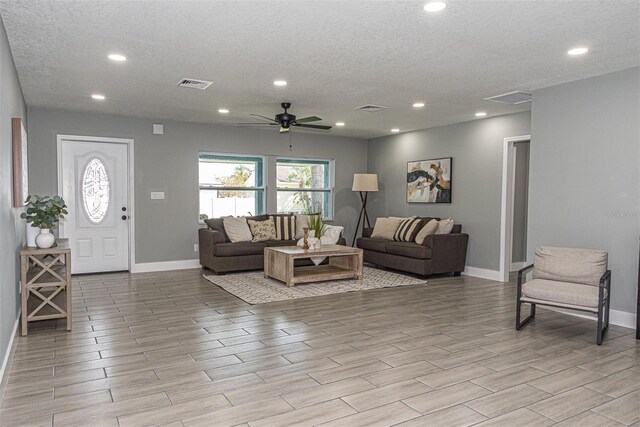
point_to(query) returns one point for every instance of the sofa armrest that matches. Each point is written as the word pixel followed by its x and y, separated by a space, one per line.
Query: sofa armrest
pixel 207 238
pixel 367 231
pixel 448 251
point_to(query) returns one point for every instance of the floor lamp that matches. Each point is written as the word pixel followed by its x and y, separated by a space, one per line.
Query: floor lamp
pixel 364 183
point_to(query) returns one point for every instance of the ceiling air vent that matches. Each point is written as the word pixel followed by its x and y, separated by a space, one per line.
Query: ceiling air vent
pixel 194 84
pixel 370 108
pixel 513 98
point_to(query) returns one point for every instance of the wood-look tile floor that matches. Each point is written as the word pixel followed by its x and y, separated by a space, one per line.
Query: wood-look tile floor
pixel 173 349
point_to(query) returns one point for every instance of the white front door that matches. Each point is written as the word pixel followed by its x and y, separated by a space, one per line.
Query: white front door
pixel 94 179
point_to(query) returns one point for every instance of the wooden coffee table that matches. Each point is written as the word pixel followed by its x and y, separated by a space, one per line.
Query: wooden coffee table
pixel 344 263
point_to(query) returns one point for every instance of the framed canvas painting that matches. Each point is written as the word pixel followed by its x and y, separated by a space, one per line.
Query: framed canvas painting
pixel 429 181
pixel 20 165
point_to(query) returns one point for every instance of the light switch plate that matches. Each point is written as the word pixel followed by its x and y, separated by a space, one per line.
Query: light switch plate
pixel 158 129
pixel 157 195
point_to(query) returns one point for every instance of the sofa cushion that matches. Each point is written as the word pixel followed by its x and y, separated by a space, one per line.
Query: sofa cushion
pixel 585 266
pixel 262 230
pixel 572 294
pixel 385 228
pixel 409 250
pixel 332 233
pixel 445 226
pixel 372 244
pixel 408 230
pixel 238 249
pixel 237 229
pixel 285 226
pixel 429 229
pixel 271 243
pixel 217 224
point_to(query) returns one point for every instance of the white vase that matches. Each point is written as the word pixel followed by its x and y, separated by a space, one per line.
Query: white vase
pixel 45 239
pixel 32 232
pixel 317 244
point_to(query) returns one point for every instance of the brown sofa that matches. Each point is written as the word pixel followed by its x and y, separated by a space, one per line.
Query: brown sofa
pixel 219 254
pixel 440 253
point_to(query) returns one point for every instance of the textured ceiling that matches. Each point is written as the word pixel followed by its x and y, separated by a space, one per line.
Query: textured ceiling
pixel 336 55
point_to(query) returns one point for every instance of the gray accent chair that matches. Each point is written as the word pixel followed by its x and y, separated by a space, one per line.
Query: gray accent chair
pixel 576 279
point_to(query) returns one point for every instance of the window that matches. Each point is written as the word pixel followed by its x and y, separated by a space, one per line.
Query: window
pixel 95 191
pixel 230 185
pixel 304 186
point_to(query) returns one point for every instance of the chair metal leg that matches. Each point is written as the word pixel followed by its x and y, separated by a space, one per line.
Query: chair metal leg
pixel 531 316
pixel 600 331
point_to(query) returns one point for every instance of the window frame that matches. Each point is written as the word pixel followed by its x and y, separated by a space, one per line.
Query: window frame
pixel 329 181
pixel 261 175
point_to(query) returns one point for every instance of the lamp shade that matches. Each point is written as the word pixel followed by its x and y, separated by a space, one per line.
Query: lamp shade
pixel 365 182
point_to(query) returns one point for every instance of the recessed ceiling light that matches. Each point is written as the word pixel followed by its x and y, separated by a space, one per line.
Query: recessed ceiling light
pixel 280 82
pixel 481 114
pixel 395 130
pixel 434 6
pixel 98 97
pixel 577 51
pixel 418 104
pixel 339 124
pixel 223 111
pixel 117 57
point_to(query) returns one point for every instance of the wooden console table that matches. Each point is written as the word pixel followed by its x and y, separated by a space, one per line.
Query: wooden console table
pixel 45 278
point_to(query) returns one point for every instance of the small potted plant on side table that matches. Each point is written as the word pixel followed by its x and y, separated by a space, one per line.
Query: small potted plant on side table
pixel 44 213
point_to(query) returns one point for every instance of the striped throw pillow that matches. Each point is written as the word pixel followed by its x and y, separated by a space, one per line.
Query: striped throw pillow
pixel 285 227
pixel 408 230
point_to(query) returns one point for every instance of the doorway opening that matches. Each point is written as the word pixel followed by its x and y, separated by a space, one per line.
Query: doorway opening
pixel 513 224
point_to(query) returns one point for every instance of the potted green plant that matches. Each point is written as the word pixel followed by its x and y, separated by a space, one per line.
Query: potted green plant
pixel 44 212
pixel 316 224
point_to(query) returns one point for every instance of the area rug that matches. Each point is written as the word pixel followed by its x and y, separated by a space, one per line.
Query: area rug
pixel 254 288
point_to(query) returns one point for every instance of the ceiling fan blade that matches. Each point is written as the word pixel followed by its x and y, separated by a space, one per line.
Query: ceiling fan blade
pixel 314 126
pixel 256 124
pixel 308 119
pixel 263 117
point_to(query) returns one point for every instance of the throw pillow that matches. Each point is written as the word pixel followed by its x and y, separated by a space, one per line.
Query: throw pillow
pixel 445 226
pixel 429 229
pixel 262 230
pixel 216 224
pixel 285 226
pixel 332 234
pixel 385 228
pixel 407 230
pixel 302 221
pixel 237 229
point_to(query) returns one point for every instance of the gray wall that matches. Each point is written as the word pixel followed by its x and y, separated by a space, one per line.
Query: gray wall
pixel 520 202
pixel 476 148
pixel 585 173
pixel 11 226
pixel 167 230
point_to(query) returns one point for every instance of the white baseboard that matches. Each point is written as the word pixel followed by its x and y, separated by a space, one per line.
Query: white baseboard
pixel 616 317
pixel 515 266
pixel 482 273
pixel 7 356
pixel 148 267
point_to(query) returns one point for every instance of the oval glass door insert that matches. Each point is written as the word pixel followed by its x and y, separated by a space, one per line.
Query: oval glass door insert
pixel 95 191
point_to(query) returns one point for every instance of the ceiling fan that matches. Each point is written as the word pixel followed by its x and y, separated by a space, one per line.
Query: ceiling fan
pixel 286 120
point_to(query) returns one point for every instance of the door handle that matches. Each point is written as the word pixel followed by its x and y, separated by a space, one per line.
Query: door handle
pixel 124 217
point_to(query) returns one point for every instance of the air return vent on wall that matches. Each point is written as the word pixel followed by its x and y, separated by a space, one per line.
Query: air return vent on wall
pixel 513 98
pixel 194 84
pixel 370 108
